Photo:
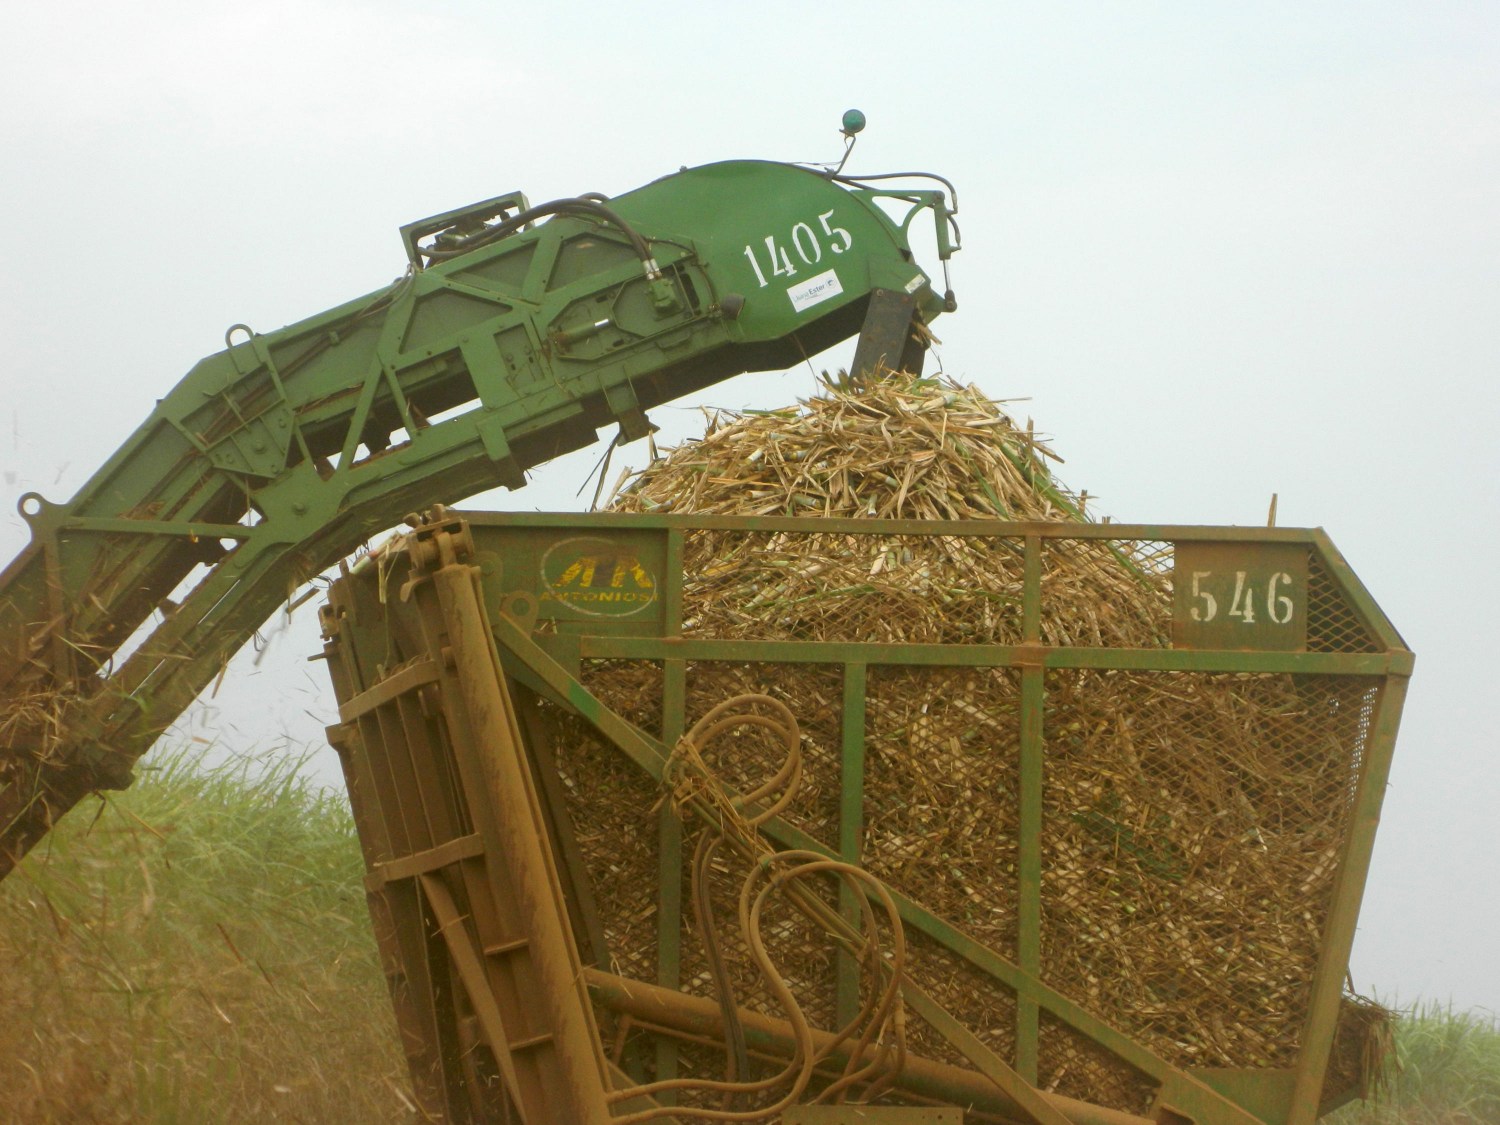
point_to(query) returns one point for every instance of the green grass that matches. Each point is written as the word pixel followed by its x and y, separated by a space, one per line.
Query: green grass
pixel 196 949
pixel 1448 1072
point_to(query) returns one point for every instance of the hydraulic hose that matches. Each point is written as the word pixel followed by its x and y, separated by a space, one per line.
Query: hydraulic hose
pixel 737 820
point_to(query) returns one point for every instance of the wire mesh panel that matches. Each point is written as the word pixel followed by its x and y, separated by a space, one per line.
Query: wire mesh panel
pixel 941 825
pixel 1078 1067
pixel 1193 832
pixel 1333 625
pixel 611 805
pixel 941 793
pixel 811 585
pixel 1106 592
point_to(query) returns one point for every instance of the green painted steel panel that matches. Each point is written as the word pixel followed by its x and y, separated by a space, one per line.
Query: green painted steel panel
pixel 785 238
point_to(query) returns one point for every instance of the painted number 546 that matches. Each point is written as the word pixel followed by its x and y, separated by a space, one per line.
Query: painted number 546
pixel 1278 604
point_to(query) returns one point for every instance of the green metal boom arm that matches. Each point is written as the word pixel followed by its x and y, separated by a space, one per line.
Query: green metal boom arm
pixel 516 334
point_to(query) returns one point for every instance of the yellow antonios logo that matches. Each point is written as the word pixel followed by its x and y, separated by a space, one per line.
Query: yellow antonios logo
pixel 596 577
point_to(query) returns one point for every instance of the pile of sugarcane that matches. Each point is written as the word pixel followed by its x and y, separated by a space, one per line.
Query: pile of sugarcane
pixel 1191 820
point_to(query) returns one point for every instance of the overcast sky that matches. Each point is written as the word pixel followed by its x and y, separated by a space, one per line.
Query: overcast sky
pixel 1225 251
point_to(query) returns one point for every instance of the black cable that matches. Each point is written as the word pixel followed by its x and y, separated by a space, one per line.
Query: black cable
pixel 859 181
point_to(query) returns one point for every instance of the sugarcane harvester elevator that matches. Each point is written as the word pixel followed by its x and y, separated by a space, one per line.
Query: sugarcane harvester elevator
pixel 516 333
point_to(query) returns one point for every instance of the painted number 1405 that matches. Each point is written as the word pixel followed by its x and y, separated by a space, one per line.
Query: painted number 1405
pixel 1278 605
pixel 808 244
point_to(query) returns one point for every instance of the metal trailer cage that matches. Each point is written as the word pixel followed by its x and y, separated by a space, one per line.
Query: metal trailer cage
pixel 526 989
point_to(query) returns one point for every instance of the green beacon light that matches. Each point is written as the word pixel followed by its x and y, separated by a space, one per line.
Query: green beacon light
pixel 854 121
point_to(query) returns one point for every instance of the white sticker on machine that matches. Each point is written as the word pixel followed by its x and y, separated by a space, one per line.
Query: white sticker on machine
pixel 815 291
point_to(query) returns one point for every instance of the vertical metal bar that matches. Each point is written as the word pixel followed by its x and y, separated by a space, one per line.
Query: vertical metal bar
pixel 1030 782
pixel 527 1089
pixel 851 829
pixel 1029 863
pixel 1032 1103
pixel 406 781
pixel 434 772
pixel 669 870
pixel 380 786
pixel 672 595
pixel 1031 591
pixel 669 827
pixel 1348 891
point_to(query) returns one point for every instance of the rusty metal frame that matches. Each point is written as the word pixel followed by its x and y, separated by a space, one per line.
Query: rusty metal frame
pixel 459 821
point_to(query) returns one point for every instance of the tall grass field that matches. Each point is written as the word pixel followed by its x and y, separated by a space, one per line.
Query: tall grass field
pixel 1447 1072
pixel 197 950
